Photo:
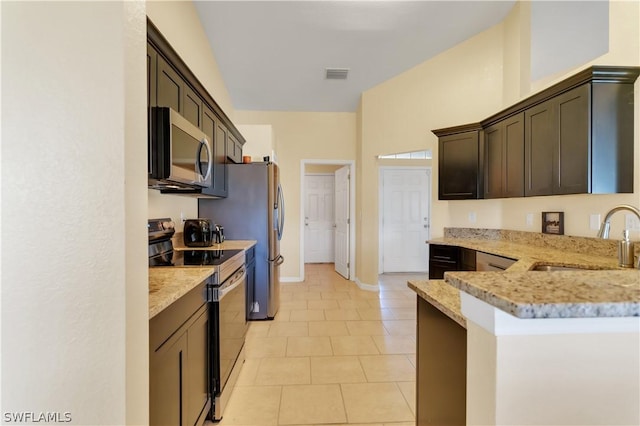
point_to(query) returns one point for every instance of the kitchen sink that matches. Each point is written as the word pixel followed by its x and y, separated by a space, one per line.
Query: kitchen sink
pixel 551 268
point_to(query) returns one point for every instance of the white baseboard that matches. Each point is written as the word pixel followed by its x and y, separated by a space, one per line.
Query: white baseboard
pixel 367 287
pixel 291 279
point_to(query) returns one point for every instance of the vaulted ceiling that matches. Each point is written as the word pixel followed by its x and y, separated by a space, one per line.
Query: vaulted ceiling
pixel 273 55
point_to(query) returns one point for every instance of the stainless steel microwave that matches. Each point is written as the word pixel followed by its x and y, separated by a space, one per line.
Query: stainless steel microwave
pixel 180 156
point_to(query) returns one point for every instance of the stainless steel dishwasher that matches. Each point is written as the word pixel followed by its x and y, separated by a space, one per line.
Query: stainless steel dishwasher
pixel 229 327
pixel 491 262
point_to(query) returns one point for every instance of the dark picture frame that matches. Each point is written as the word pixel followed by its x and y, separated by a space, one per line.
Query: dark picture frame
pixel 553 223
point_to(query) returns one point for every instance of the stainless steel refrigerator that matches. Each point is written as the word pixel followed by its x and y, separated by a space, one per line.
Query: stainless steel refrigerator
pixel 254 210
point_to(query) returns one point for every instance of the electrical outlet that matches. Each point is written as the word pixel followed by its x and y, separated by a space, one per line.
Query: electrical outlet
pixel 472 217
pixel 529 220
pixel 631 222
pixel 594 222
pixel 183 218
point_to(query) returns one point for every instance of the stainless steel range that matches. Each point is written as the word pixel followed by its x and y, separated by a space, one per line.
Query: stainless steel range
pixel 226 294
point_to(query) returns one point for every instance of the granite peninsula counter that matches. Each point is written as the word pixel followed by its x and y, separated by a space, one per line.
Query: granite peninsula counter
pixel 600 289
pixel 537 347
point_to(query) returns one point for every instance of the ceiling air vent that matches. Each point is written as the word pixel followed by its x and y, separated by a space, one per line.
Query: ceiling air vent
pixel 336 73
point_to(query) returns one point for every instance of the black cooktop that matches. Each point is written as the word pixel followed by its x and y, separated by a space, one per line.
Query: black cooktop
pixel 193 258
pixel 203 257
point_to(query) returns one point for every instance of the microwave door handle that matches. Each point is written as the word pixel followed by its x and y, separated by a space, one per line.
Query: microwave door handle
pixel 204 143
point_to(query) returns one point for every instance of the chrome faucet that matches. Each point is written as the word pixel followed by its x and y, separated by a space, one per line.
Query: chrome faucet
pixel 606 224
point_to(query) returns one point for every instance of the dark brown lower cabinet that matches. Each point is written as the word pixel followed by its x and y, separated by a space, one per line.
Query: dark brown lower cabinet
pixel 179 362
pixel 443 258
pixel 166 382
pixel 441 382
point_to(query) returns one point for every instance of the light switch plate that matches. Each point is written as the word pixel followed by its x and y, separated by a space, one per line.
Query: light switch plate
pixel 472 217
pixel 594 222
pixel 529 220
pixel 631 222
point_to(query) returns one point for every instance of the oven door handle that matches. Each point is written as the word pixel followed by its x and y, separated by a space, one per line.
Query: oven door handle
pixel 233 284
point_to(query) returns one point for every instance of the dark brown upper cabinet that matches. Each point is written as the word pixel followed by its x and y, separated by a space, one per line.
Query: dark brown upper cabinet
pixel 234 149
pixel 581 141
pixel 170 87
pixel 575 137
pixel 539 150
pixel 170 83
pixel 504 158
pixel 459 165
pixel 216 133
pixel 192 107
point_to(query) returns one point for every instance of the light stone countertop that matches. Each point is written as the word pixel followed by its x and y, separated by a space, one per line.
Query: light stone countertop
pixel 441 295
pixel 168 283
pixel 603 289
pixel 559 294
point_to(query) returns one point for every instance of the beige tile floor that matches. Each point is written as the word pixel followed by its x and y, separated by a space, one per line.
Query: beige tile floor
pixel 334 354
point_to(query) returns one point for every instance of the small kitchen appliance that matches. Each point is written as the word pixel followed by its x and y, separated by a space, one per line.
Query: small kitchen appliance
pixel 180 155
pixel 218 232
pixel 198 233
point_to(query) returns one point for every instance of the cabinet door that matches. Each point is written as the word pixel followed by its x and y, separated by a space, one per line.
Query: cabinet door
pixel 192 107
pixel 441 370
pixel 513 149
pixel 458 166
pixel 220 160
pixel 167 383
pixel 218 180
pixel 170 86
pixel 540 143
pixel 494 161
pixel 572 117
pixel 152 58
pixel 198 367
pixel 234 149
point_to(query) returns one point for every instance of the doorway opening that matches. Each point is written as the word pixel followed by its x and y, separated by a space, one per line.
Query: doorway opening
pixel 404 219
pixel 327 212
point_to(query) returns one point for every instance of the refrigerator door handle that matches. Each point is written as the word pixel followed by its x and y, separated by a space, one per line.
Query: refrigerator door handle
pixel 280 203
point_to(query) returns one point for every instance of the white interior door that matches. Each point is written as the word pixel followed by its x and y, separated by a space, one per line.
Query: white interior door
pixel 406 193
pixel 319 219
pixel 342 221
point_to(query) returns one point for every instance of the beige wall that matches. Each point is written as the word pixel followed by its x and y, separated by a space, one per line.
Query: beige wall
pixel 624 41
pixel 458 86
pixel 74 269
pixel 179 23
pixel 322 168
pixel 299 136
pixel 466 84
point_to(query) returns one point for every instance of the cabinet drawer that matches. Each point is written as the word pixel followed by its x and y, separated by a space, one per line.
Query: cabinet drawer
pixel 439 252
